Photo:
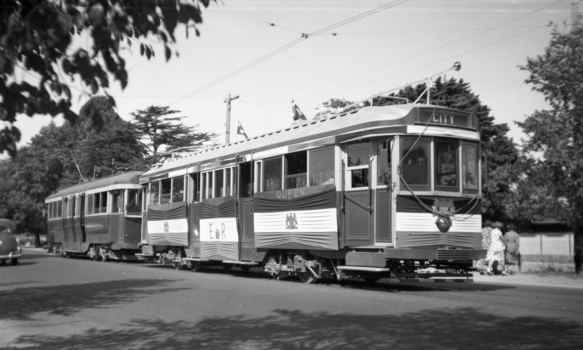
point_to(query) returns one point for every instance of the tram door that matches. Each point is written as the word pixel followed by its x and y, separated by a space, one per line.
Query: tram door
pixel 368 192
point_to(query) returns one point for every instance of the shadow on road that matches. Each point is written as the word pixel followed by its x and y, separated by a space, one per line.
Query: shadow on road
pixel 429 329
pixel 22 303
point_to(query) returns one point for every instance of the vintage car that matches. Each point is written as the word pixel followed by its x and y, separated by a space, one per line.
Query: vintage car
pixel 9 245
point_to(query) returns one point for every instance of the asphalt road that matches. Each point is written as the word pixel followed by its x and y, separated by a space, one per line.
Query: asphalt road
pixel 49 302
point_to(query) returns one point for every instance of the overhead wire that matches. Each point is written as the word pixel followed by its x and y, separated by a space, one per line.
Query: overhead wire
pixel 287 46
pixel 421 54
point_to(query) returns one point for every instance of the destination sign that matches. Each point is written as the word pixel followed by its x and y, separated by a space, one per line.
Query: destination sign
pixel 443 117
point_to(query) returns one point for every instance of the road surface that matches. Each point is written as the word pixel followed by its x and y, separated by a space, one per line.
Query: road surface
pixel 48 302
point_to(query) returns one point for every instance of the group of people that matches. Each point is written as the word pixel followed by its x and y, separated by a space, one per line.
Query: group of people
pixel 503 248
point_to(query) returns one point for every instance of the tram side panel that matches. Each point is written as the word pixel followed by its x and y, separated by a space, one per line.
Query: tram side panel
pixel 219 235
pixel 194 249
pixel 297 219
pixel 167 225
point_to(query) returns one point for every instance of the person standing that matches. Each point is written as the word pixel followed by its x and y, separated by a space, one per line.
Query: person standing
pixel 496 248
pixel 485 242
pixel 512 242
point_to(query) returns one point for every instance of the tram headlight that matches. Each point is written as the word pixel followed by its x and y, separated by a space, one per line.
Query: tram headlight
pixel 443 223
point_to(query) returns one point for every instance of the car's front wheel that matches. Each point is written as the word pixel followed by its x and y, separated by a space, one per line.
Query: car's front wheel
pixel 13 261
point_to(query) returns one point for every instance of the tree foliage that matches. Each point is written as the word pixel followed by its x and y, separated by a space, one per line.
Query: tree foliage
pixel 557 133
pixel 160 130
pixel 36 36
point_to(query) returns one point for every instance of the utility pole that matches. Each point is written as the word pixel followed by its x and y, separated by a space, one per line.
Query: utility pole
pixel 228 123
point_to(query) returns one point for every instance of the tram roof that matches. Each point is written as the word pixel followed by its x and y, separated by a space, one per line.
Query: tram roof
pixel 336 128
pixel 125 178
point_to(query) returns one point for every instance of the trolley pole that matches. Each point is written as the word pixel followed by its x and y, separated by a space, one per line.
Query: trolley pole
pixel 228 122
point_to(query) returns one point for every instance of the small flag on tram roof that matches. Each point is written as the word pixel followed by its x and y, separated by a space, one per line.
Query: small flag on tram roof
pixel 241 131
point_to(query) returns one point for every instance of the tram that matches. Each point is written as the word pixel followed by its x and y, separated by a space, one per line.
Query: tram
pixel 100 219
pixel 377 192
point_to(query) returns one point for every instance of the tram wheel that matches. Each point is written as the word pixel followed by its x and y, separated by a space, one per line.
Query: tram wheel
pixel 227 266
pixel 306 277
pixel 2 262
pixel 13 261
pixel 194 266
pixel 246 268
pixel 371 279
pixel 95 256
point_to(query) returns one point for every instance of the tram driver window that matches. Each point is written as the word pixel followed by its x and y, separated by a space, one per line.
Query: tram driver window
pixel 357 165
pixel 322 166
pixel 296 169
pixel 446 164
pixel 116 201
pixel 415 162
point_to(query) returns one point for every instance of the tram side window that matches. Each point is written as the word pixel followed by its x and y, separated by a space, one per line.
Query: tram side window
pixel 154 192
pixel 296 169
pixel 103 207
pixel 272 174
pixel 415 163
pixel 357 165
pixel 470 161
pixel 134 206
pixel 228 181
pixel 219 183
pixel 59 209
pixel 384 163
pixel 178 189
pixel 89 204
pixel 166 186
pixel 116 201
pixel 246 180
pixel 71 211
pixel 322 166
pixel 195 190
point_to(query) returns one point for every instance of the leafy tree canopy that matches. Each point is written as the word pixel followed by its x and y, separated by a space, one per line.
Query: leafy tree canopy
pixel 36 36
pixel 161 130
pixel 557 133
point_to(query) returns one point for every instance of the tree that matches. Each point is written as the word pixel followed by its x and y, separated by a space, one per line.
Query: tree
pixel 36 36
pixel 333 105
pixel 160 130
pixel 557 133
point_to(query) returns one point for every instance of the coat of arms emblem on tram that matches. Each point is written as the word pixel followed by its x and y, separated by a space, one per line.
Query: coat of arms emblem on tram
pixel 291 222
pixel 166 226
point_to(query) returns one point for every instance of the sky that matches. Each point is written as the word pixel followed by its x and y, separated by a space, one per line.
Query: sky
pixel 237 53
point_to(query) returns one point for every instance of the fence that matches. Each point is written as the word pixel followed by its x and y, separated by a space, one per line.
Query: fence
pixel 546 243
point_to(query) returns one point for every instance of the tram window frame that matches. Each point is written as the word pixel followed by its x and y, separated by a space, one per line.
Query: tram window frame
pixel 193 183
pixel 273 168
pixel 245 180
pixel 89 204
pixel 258 177
pixel 104 203
pixel 177 193
pixel 165 191
pixel 116 198
pixel 78 200
pixel 321 166
pixel 428 161
pixel 219 188
pixel 352 171
pixel 465 145
pixel 455 187
pixel 295 174
pixel 60 209
pixel 384 175
pixel 71 207
pixel 154 192
pixel 131 194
